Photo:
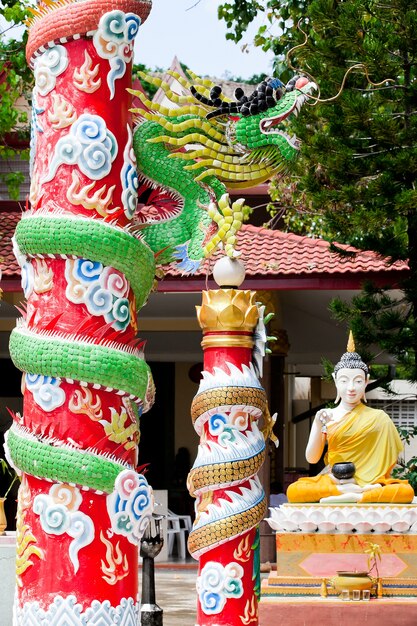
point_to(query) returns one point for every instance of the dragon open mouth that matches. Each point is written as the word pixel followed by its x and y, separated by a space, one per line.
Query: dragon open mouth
pixel 276 125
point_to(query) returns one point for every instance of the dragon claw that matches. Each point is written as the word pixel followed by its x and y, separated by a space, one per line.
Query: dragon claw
pixel 185 264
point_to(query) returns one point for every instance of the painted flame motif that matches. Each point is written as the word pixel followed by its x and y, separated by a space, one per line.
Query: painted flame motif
pixel 43 276
pixel 62 114
pixel 24 490
pixel 202 504
pixel 117 566
pixel 25 540
pixel 243 552
pixel 85 75
pixel 83 401
pixel 98 201
pixel 251 612
pixel 133 316
pixel 34 189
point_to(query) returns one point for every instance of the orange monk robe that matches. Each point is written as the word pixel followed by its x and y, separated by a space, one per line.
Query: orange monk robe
pixel 368 438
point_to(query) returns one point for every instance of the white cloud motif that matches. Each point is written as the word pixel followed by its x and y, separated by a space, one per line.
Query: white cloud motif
pixel 130 505
pixel 46 391
pixel 217 583
pixel 60 517
pixel 89 145
pixel 48 66
pixel 113 40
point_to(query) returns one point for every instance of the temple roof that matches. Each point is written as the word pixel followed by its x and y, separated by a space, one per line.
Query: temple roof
pixel 272 252
pixel 8 264
pixel 273 260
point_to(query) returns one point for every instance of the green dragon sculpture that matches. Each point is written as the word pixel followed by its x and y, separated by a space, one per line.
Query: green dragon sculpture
pixel 88 255
pixel 186 155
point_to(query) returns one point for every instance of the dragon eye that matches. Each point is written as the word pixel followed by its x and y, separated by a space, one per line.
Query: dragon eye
pixel 278 94
pixel 301 82
pixel 291 83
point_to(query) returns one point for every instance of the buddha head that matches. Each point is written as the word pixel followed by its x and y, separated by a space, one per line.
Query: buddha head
pixel 351 375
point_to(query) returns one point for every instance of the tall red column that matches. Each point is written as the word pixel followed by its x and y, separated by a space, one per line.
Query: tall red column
pixel 82 506
pixel 230 501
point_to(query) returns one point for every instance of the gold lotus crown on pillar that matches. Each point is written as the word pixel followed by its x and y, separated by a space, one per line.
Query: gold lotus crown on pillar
pixel 228 310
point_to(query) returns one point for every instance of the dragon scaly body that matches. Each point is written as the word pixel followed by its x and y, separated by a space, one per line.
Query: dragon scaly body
pixel 83 507
pixel 187 155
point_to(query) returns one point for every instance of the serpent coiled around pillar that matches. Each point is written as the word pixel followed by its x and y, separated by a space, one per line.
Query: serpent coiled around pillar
pixel 83 506
pixel 99 216
pixel 230 498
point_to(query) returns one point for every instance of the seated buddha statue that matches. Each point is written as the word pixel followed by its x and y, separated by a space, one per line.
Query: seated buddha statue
pixel 354 434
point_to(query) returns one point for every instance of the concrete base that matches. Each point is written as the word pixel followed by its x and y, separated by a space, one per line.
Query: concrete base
pixel 321 555
pixel 306 560
pixel 8 577
pixel 332 612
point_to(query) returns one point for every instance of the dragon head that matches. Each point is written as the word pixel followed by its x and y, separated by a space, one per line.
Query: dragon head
pixel 257 127
pixel 207 143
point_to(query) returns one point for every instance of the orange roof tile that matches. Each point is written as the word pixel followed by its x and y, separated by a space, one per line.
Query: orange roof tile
pixel 273 252
pixel 267 254
pixel 8 264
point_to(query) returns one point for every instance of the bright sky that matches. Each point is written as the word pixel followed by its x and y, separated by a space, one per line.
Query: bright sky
pixel 191 30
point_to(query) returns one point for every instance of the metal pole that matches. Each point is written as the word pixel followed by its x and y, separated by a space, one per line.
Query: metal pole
pixel 150 547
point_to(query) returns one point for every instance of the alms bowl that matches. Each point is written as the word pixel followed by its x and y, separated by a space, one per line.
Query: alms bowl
pixel 343 471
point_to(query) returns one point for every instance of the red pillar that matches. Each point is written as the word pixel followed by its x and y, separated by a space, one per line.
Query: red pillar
pixel 230 501
pixel 82 506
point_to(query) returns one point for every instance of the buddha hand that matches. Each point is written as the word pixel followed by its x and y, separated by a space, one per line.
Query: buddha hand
pixel 349 485
pixel 324 416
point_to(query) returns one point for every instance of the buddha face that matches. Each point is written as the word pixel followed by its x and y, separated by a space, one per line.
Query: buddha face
pixel 351 385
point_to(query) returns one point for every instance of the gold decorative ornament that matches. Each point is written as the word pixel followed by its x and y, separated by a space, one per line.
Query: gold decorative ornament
pixel 351 343
pixel 220 531
pixel 220 474
pixel 225 396
pixel 228 310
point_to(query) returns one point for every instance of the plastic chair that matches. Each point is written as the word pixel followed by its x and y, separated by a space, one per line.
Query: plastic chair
pixel 175 531
pixel 185 519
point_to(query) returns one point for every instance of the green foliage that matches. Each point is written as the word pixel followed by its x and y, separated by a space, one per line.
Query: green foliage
pixel 382 321
pixel 328 368
pixel 355 180
pixel 7 471
pixel 13 181
pixel 15 81
pixel 407 470
pixel 238 15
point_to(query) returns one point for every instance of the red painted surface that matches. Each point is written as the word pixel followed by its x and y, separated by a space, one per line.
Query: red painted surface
pixel 217 357
pixel 55 574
